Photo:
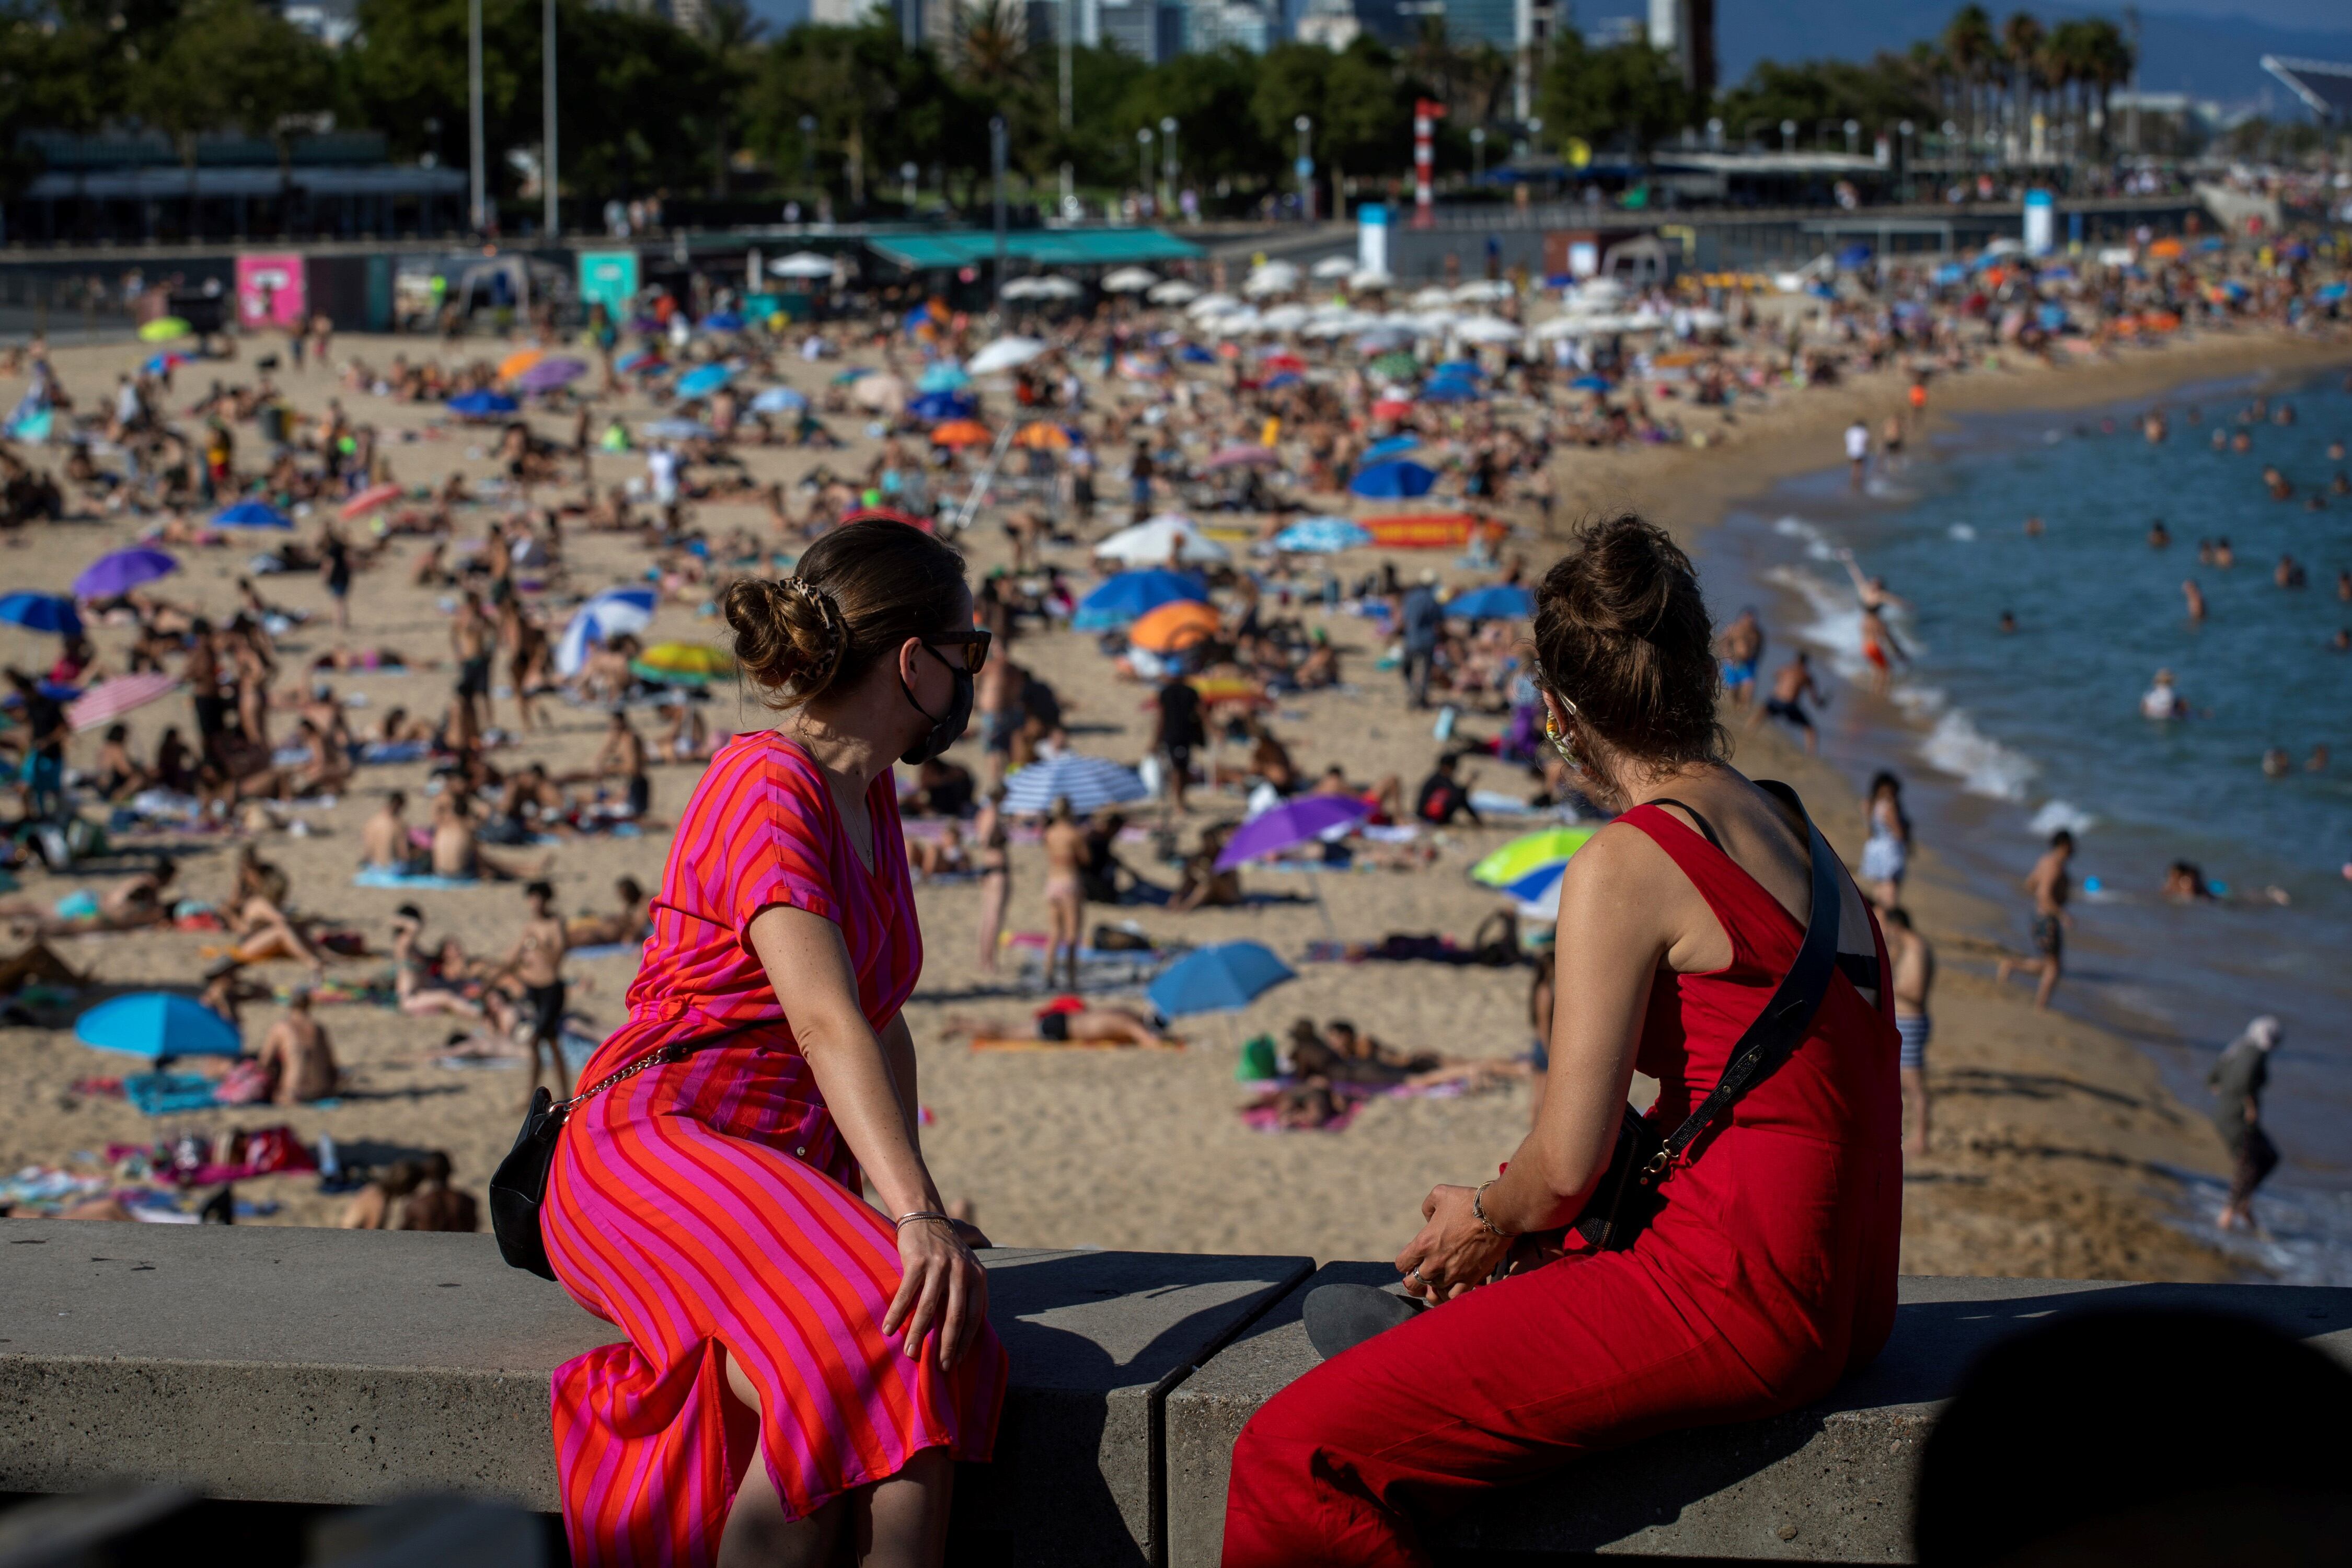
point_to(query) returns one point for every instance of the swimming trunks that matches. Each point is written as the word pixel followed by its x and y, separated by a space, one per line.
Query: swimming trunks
pixel 1054 1026
pixel 1914 1028
pixel 1739 672
pixel 546 1011
pixel 641 794
pixel 1874 654
pixel 1794 712
pixel 1883 859
pixel 474 677
pixel 2049 936
pixel 1062 886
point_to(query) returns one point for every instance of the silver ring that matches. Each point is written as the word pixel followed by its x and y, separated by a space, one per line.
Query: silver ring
pixel 1415 1274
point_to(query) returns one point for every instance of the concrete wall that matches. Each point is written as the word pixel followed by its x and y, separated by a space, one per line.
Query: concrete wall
pixel 355 1366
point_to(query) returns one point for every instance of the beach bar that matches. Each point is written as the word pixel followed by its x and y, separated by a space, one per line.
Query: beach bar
pixel 280 1365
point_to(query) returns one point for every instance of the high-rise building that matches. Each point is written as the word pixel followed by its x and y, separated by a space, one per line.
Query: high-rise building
pixel 1686 29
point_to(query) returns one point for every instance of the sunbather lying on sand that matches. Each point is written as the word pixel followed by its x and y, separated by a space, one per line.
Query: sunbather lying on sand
pixel 1068 1022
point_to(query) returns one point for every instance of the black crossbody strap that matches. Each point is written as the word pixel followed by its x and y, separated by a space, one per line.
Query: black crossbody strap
pixel 1778 1030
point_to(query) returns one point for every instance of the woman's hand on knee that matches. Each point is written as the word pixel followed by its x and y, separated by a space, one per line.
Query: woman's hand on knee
pixel 1453 1253
pixel 942 1293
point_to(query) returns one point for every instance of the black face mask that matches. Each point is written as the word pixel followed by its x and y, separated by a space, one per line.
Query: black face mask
pixel 946 727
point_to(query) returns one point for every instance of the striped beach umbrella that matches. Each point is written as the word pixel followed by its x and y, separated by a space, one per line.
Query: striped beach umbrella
pixel 1088 784
pixel 683 664
pixel 110 700
pixel 368 499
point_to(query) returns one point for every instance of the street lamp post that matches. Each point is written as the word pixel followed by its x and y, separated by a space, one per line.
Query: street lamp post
pixel 1168 159
pixel 1788 136
pixel 1477 152
pixel 1306 168
pixel 907 174
pixel 996 172
pixel 474 113
pixel 1143 161
pixel 808 158
pixel 554 224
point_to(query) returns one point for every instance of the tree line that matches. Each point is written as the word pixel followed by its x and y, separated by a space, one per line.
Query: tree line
pixel 647 107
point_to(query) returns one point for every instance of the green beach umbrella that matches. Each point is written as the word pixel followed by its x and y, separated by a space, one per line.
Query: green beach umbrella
pixel 1522 856
pixel 163 329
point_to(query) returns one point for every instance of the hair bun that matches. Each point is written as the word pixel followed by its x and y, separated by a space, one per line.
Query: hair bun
pixel 789 634
pixel 1621 630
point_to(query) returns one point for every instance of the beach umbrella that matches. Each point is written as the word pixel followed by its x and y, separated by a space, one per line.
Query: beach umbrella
pixel 1088 784
pixel 1394 363
pixel 1225 689
pixel 802 263
pixel 110 700
pixel 960 433
pixel 1122 599
pixel 521 360
pixel 1371 280
pixel 881 393
pixel 1534 852
pixel 945 376
pixel 1294 821
pixel 1152 541
pixel 680 430
pixel 605 614
pixel 1175 291
pixel 683 664
pixel 1449 389
pixel 1589 384
pixel 551 375
pixel 368 499
pixel 1391 406
pixel 639 358
pixel 41 613
pixel 1224 978
pixel 1333 267
pixel 1273 277
pixel 1490 289
pixel 1129 280
pixel 1323 536
pixel 170 359
pixel 158 1025
pixel 1494 602
pixel 1244 457
pixel 780 400
pixel 1395 447
pixel 1392 481
pixel 934 407
pixel 1488 329
pixel 721 321
pixel 122 570
pixel 163 329
pixel 251 514
pixel 1044 436
pixel 704 381
pixel 1175 626
pixel 1003 355
pixel 482 404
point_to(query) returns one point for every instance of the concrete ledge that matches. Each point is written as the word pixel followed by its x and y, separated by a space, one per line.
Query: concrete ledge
pixel 1831 1483
pixel 298 1365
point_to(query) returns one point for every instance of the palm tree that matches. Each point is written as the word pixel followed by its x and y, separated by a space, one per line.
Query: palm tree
pixel 1970 45
pixel 2107 62
pixel 992 47
pixel 2022 38
pixel 731 32
pixel 2062 72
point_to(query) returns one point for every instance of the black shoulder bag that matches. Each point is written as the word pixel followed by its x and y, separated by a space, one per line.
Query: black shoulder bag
pixel 1627 1197
pixel 519 1186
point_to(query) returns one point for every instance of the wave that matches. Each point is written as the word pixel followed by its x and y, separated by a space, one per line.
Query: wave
pixel 1963 532
pixel 1982 765
pixel 2305 1237
pixel 1818 543
pixel 2060 815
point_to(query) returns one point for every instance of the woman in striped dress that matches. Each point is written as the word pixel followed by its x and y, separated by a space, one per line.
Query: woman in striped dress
pixel 797 1363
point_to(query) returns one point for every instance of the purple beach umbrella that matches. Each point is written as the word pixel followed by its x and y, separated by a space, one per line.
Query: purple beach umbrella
pixel 549 375
pixel 1294 821
pixel 121 571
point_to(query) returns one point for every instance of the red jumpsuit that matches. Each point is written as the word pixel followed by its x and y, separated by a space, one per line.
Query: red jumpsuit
pixel 1768 1274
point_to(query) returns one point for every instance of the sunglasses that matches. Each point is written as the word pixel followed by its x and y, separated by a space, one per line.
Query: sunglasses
pixel 973 640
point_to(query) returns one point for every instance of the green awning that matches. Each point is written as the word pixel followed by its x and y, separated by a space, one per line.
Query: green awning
pixel 1037 246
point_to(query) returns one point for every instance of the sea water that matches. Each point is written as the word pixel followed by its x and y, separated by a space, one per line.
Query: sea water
pixel 2004 738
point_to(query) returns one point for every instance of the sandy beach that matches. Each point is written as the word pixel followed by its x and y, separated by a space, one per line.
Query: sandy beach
pixel 2052 1140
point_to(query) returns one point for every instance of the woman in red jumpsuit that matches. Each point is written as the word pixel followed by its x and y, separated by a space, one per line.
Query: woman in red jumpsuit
pixel 1767 1272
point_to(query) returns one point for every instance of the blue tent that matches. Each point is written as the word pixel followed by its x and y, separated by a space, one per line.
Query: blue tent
pixel 251 514
pixel 484 405
pixel 1392 481
pixel 1494 602
pixel 158 1025
pixel 936 407
pixel 42 613
pixel 1131 594
pixel 1221 979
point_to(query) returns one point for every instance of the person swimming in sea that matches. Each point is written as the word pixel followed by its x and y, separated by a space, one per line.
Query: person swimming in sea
pixel 2196 598
pixel 2163 701
pixel 2008 622
pixel 2158 536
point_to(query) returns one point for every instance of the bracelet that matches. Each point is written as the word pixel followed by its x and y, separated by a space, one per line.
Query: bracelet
pixel 1478 1207
pixel 924 1214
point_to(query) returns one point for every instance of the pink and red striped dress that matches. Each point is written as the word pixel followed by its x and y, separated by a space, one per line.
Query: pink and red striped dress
pixel 712 1202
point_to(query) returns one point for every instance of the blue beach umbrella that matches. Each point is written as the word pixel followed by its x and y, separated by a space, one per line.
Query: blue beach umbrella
pixel 1589 384
pixel 705 381
pixel 1395 447
pixel 1131 594
pixel 1464 368
pixel 1450 389
pixel 482 404
pixel 1221 979
pixel 251 514
pixel 1494 602
pixel 42 613
pixel 937 408
pixel 158 1025
pixel 780 400
pixel 1392 481
pixel 723 322
pixel 1088 784
pixel 945 376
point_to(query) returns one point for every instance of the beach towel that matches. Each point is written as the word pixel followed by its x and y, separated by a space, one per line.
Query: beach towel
pixel 169 1093
pixel 375 877
pixel 1027 1042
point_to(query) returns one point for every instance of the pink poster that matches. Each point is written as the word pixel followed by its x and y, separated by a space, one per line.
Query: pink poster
pixel 269 290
